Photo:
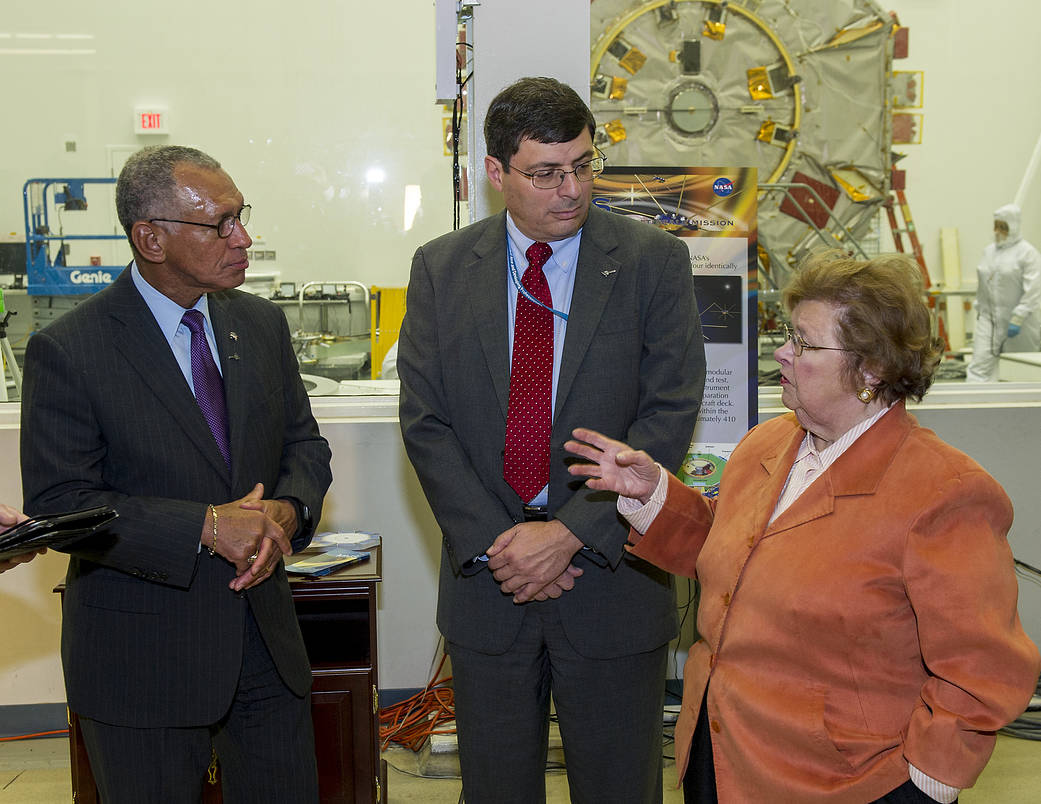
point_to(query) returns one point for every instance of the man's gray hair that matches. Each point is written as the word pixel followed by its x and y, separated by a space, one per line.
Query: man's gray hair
pixel 146 184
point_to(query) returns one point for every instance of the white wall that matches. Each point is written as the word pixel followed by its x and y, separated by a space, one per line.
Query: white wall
pixel 297 101
pixel 375 488
pixel 981 119
pixel 31 613
pixel 300 101
pixel 509 45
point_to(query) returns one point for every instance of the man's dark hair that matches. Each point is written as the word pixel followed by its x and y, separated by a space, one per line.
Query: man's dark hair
pixel 146 184
pixel 539 109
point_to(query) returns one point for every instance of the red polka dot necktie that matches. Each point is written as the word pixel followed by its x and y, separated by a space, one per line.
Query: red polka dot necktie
pixel 209 387
pixel 529 417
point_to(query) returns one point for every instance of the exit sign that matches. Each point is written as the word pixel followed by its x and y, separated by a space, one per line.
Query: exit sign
pixel 151 121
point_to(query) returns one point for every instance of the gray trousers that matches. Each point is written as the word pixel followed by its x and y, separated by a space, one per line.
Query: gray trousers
pixel 609 712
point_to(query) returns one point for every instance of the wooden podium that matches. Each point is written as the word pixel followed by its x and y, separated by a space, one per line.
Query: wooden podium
pixel 337 615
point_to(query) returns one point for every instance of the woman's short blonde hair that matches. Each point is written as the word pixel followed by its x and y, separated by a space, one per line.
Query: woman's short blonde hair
pixel 883 319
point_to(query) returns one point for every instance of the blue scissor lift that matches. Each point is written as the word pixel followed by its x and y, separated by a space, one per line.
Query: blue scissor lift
pixel 53 277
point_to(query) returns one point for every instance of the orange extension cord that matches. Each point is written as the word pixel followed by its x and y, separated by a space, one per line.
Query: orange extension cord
pixel 62 732
pixel 411 722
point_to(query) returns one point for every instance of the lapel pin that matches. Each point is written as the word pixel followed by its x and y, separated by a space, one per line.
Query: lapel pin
pixel 608 273
pixel 233 335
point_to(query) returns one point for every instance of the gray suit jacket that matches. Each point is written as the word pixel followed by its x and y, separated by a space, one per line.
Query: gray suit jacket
pixel 633 367
pixel 151 633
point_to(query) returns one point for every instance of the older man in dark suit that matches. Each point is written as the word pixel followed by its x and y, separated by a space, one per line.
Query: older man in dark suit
pixel 177 401
pixel 520 328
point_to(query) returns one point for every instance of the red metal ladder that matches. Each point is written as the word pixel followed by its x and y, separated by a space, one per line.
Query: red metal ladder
pixel 936 303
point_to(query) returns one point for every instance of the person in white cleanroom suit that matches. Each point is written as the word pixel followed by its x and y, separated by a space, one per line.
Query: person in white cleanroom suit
pixel 1008 297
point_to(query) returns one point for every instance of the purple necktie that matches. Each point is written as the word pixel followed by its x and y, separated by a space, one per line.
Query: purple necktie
pixel 209 387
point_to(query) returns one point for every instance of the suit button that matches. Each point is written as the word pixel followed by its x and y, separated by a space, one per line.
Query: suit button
pixel 715 726
pixel 726 599
pixel 712 661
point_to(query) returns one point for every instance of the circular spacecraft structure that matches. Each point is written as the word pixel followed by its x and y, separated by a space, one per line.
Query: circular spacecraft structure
pixel 798 89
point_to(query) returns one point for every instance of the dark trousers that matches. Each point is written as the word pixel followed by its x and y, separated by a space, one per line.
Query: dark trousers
pixel 609 711
pixel 265 744
pixel 699 781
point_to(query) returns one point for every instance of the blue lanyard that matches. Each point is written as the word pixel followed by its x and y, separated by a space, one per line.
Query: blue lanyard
pixel 515 277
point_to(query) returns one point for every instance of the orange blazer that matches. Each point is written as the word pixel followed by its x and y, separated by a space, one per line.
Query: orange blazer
pixel 872 624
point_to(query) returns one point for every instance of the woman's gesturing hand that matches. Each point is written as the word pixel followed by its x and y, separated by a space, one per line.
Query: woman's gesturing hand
pixel 612 465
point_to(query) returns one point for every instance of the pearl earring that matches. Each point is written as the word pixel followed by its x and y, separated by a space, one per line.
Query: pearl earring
pixel 866 394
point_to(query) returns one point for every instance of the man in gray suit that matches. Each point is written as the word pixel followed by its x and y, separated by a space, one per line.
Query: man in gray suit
pixel 537 593
pixel 177 401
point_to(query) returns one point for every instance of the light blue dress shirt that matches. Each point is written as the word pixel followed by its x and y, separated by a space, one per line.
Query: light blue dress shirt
pixel 168 314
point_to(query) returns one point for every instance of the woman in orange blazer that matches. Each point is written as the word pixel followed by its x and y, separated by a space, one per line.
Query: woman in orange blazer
pixel 859 634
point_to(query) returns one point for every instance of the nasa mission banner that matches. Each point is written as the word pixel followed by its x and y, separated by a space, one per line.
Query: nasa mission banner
pixel 714 211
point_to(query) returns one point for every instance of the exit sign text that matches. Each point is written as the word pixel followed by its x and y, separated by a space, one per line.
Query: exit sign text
pixel 150 121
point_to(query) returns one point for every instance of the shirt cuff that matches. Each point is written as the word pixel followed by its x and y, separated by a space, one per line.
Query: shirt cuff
pixel 938 791
pixel 640 516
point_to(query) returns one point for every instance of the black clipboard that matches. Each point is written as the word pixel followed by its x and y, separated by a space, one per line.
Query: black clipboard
pixel 54 530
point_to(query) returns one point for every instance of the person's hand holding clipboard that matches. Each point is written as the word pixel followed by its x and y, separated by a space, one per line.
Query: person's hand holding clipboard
pixel 33 535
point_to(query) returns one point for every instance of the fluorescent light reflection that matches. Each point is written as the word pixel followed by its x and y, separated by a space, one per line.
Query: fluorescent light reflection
pixel 62 38
pixel 413 203
pixel 10 51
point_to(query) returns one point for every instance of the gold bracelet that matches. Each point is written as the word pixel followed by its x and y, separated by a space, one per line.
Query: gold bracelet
pixel 213 513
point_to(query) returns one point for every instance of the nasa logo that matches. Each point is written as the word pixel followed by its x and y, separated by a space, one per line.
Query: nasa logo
pixel 722 187
pixel 90 278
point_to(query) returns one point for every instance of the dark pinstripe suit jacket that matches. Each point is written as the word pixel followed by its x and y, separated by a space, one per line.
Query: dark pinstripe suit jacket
pixel 633 367
pixel 151 634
